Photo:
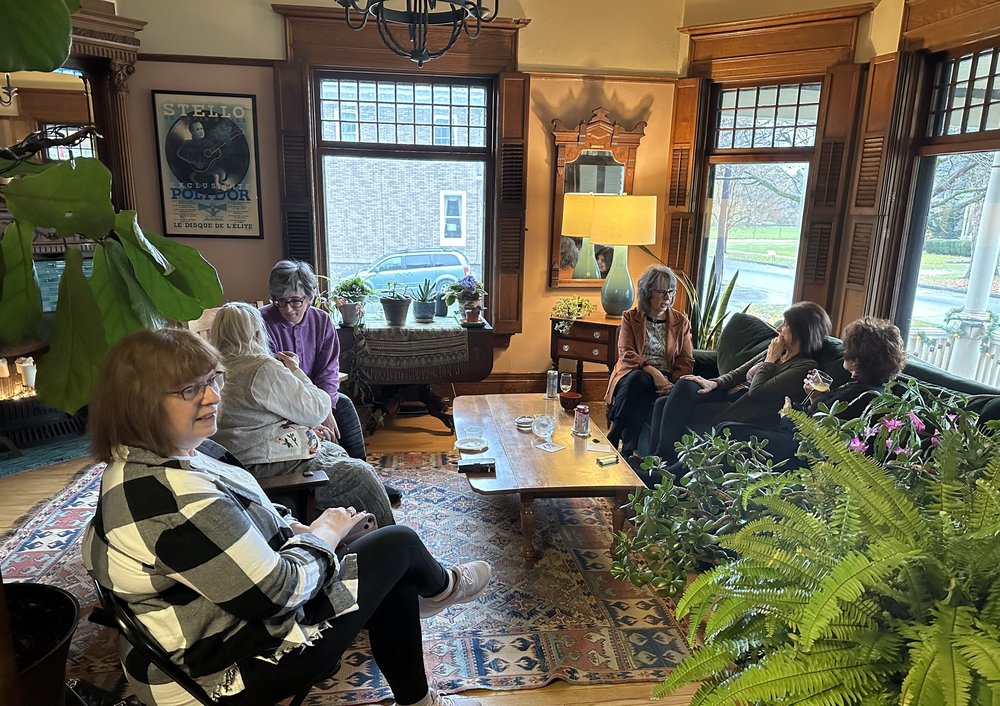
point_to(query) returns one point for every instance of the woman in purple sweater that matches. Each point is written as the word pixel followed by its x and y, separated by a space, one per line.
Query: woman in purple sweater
pixel 294 325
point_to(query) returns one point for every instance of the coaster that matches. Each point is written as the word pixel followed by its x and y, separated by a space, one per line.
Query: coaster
pixel 471 445
pixel 550 447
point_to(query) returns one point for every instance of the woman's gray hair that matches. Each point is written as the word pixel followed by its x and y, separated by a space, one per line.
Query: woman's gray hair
pixel 290 275
pixel 655 277
pixel 238 329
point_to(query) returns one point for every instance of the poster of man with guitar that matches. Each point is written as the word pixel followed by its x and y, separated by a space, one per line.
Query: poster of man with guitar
pixel 208 164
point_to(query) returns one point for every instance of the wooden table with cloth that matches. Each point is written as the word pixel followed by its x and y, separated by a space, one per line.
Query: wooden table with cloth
pixel 387 364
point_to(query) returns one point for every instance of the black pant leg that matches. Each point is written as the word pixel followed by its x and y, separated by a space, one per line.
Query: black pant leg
pixel 676 414
pixel 630 408
pixel 352 436
pixel 394 567
pixel 781 441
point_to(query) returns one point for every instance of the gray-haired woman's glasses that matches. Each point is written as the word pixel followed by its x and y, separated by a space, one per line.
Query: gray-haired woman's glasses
pixel 664 292
pixel 285 303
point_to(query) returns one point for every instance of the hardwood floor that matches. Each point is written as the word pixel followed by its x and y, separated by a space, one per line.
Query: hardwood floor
pixel 19 493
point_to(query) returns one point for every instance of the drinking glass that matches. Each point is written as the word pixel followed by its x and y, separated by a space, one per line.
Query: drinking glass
pixel 820 383
pixel 566 382
pixel 543 426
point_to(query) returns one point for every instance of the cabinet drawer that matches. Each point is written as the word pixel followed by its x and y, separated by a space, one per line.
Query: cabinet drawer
pixel 583 331
pixel 581 350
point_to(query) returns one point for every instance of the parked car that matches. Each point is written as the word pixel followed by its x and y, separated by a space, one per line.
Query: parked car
pixel 412 267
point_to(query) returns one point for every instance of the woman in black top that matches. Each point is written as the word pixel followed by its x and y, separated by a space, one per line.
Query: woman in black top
pixel 873 355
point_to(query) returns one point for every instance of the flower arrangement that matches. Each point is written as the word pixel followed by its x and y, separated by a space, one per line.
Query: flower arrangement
pixel 570 309
pixel 467 290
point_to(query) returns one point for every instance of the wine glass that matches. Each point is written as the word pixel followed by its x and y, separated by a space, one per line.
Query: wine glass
pixel 566 382
pixel 820 383
pixel 543 426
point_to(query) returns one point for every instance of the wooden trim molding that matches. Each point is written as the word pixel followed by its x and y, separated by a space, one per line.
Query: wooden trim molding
pixel 935 25
pixel 788 46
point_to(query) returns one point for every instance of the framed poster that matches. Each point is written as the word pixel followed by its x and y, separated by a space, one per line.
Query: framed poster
pixel 209 172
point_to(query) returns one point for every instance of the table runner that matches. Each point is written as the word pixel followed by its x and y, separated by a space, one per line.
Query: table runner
pixel 411 353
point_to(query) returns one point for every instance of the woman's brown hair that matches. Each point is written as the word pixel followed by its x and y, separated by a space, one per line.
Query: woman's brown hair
pixel 876 349
pixel 125 409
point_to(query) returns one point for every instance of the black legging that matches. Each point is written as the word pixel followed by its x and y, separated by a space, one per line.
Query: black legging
pixel 352 436
pixel 630 408
pixel 394 567
pixel 683 409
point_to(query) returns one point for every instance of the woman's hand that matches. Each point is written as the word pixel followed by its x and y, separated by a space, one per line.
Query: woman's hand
pixel 807 382
pixel 775 350
pixel 788 402
pixel 323 433
pixel 705 385
pixel 288 359
pixel 331 425
pixel 334 524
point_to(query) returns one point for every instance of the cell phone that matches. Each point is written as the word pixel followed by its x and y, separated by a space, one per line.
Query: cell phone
pixel 477 465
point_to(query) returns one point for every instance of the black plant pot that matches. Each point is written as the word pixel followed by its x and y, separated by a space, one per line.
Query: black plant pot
pixel 440 306
pixel 43 619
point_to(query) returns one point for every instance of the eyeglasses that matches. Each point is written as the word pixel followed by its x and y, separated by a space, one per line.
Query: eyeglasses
pixel 285 303
pixel 196 391
pixel 664 292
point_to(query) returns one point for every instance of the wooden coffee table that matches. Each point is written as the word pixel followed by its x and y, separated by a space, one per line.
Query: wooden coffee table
pixel 532 473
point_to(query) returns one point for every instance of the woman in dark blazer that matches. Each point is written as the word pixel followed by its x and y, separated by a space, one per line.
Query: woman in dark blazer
pixel 654 351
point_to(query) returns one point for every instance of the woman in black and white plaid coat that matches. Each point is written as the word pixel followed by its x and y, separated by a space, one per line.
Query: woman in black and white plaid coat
pixel 250 603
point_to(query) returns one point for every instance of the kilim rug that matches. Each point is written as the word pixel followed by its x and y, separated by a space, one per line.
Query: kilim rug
pixel 566 618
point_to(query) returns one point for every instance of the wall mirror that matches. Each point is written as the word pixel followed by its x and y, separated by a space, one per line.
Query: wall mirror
pixel 597 156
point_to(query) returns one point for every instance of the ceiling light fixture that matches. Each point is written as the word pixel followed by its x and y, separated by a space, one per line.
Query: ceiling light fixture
pixel 405 31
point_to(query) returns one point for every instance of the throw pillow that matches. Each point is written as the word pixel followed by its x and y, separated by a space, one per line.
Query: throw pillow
pixel 743 337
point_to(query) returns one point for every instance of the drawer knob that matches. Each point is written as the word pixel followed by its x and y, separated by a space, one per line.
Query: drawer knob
pixel 597 334
pixel 595 352
pixel 565 348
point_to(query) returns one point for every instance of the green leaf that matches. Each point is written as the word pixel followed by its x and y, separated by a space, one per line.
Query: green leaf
pixel 20 301
pixel 71 197
pixel 127 228
pixel 10 168
pixel 192 273
pixel 983 653
pixel 36 34
pixel 67 373
pixel 124 306
pixel 169 301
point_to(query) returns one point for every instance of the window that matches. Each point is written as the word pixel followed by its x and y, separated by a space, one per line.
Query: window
pixel 405 165
pixel 759 168
pixel 60 154
pixel 966 95
pixel 452 218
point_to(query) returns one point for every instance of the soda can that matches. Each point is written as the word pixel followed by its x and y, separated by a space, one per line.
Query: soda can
pixel 581 420
pixel 552 384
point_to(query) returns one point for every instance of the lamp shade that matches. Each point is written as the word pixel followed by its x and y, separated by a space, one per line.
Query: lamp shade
pixel 623 220
pixel 578 211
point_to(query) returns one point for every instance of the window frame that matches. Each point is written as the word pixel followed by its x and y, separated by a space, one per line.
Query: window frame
pixel 486 154
pixel 463 198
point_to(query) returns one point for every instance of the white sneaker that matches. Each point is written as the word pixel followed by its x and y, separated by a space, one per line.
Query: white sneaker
pixel 435 699
pixel 469 582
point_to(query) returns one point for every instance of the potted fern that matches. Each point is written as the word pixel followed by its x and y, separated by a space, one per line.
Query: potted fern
pixel 423 303
pixel 871 579
pixel 395 303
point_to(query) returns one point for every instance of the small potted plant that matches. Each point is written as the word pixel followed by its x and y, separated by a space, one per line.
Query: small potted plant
pixel 569 309
pixel 423 303
pixel 395 303
pixel 469 293
pixel 349 295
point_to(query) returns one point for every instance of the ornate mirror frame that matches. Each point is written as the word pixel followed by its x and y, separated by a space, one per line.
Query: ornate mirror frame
pixel 599 133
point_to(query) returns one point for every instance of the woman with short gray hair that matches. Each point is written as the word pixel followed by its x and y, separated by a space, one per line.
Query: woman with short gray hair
pixel 294 325
pixel 654 351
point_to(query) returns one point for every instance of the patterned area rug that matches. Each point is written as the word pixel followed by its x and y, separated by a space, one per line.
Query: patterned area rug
pixel 566 618
pixel 45 455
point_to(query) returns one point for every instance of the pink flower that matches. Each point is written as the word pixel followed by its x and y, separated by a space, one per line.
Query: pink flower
pixel 902 451
pixel 892 424
pixel 857 444
pixel 935 439
pixel 871 431
pixel 915 420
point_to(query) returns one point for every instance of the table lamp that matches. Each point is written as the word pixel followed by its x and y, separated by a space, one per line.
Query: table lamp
pixel 578 210
pixel 621 221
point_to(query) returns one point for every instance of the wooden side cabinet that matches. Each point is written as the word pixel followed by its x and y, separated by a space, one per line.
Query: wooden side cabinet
pixel 588 340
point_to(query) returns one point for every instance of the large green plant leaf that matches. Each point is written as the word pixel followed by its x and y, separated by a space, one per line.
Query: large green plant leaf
pixel 124 305
pixel 10 168
pixel 36 34
pixel 72 197
pixel 127 228
pixel 67 373
pixel 192 273
pixel 20 301
pixel 171 302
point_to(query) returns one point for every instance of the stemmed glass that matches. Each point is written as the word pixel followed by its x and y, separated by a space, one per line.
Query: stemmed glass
pixel 566 382
pixel 819 381
pixel 542 427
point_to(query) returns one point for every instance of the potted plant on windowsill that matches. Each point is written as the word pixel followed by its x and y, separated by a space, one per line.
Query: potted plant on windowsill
pixel 423 303
pixel 395 303
pixel 349 296
pixel 469 293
